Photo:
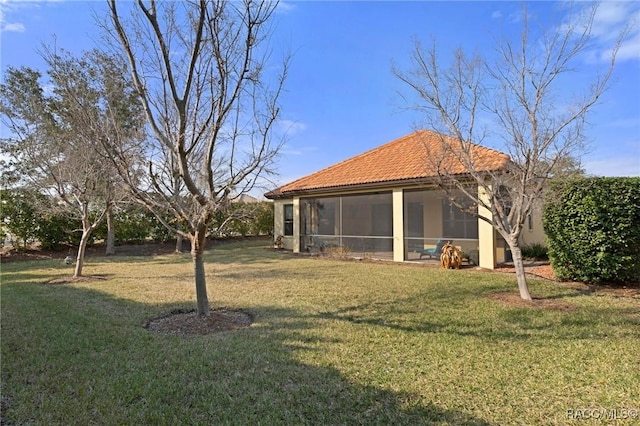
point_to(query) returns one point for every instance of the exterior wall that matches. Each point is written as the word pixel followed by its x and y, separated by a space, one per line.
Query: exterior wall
pixel 398 225
pixel 278 217
pixel 486 236
pixel 278 223
pixel 533 232
pixel 296 224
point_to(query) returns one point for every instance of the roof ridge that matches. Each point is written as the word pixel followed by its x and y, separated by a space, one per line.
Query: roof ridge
pixel 351 159
pixel 399 159
pixel 455 138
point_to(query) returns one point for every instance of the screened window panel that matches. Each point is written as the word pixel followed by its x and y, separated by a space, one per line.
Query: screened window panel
pixel 288 219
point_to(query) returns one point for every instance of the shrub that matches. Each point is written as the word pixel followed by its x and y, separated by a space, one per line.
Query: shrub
pixel 132 225
pixel 593 229
pixel 536 251
pixel 56 230
pixel 157 231
pixel 263 224
pixel 247 219
pixel 19 215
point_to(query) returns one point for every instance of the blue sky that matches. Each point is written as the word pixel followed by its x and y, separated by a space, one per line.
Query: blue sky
pixel 342 98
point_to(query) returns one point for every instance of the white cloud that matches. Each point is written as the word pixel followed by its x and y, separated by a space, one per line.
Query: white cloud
pixel 611 15
pixel 285 7
pixel 630 49
pixel 16 27
pixel 496 14
pixel 290 127
pixel 11 7
pixel 14 10
pixel 610 21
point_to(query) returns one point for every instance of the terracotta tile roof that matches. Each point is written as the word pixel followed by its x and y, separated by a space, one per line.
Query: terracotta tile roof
pixel 408 158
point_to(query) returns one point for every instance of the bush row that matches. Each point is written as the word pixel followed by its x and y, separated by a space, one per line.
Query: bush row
pixel 593 229
pixel 22 219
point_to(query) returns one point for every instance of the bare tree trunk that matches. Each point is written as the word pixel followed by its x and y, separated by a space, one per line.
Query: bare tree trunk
pixel 111 233
pixel 179 239
pixel 210 88
pixel 518 264
pixel 86 233
pixel 197 253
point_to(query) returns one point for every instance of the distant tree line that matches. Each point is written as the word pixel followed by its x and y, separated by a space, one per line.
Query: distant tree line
pixel 24 223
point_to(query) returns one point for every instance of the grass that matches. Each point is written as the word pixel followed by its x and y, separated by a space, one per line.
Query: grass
pixel 333 342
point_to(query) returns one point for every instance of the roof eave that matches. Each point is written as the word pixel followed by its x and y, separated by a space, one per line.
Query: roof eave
pixel 430 181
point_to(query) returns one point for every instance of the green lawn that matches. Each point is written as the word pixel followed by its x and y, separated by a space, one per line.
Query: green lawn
pixel 332 342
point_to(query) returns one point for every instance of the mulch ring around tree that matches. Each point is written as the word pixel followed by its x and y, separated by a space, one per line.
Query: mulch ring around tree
pixel 186 323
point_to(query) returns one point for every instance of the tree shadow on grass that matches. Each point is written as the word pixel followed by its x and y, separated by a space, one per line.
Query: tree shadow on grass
pixel 73 355
pixel 514 323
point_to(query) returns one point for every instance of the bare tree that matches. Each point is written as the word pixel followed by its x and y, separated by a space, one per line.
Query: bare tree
pixel 519 93
pixel 55 138
pixel 200 70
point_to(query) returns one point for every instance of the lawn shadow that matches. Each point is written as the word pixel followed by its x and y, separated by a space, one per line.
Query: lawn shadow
pixel 80 356
pixel 22 272
pixel 509 322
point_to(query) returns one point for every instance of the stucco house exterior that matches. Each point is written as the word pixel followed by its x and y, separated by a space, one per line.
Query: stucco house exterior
pixel 384 204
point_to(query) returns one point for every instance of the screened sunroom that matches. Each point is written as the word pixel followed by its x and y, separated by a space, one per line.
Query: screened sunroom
pixel 362 225
pixel 431 219
pixel 383 204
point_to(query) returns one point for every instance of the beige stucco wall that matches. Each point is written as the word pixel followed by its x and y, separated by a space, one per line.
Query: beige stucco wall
pixel 533 231
pixel 296 225
pixel 278 225
pixel 486 235
pixel 398 225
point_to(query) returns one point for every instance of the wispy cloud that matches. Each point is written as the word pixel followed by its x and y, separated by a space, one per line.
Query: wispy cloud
pixel 285 7
pixel 11 7
pixel 11 11
pixel 611 20
pixel 297 151
pixel 512 13
pixel 16 27
pixel 291 127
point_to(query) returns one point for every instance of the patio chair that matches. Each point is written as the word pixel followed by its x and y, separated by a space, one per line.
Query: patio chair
pixel 435 251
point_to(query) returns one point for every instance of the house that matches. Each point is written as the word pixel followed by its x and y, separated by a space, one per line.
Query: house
pixel 245 198
pixel 384 204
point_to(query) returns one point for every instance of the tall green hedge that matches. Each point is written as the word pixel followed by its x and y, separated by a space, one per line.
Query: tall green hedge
pixel 593 229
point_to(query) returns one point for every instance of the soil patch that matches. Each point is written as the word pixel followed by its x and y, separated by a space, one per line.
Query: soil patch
pixel 514 300
pixel 148 248
pixel 9 254
pixel 186 322
pixel 543 270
